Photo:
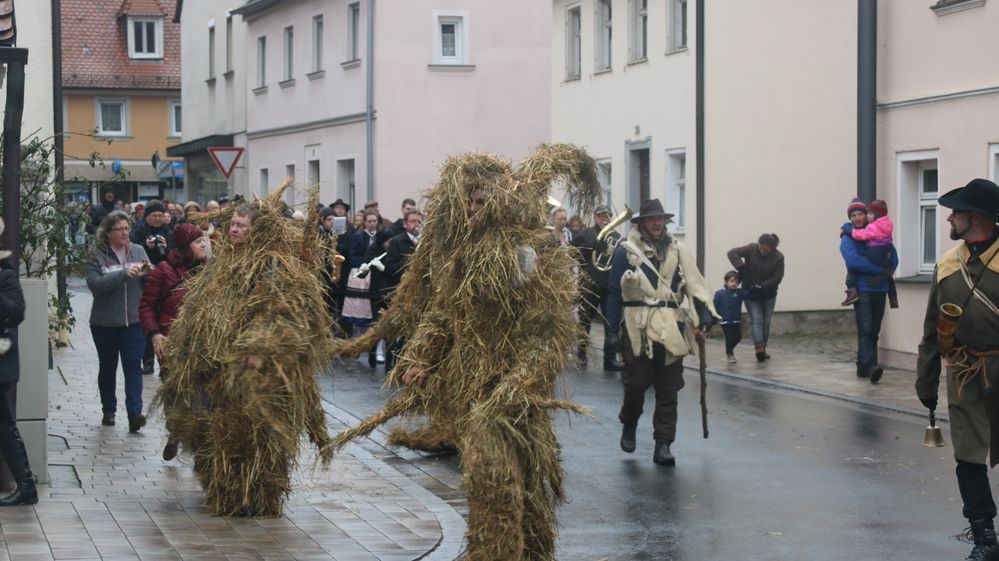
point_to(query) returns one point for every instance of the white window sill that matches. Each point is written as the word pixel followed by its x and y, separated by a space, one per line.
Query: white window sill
pixel 150 58
pixel 638 61
pixel 260 90
pixel 571 79
pixel 316 75
pixel 450 67
pixel 109 136
pixel 944 7
pixel 285 84
pixel 173 137
pixel 676 51
pixel 602 71
pixel 348 64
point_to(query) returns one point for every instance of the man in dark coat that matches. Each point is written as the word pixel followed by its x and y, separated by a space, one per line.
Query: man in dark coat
pixel 156 237
pixel 398 227
pixel 593 284
pixel 101 209
pixel 400 248
pixel 968 276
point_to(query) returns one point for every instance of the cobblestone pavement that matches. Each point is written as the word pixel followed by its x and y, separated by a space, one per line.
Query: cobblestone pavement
pixel 112 497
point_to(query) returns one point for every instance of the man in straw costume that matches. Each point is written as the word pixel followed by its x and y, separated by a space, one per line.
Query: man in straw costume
pixel 243 357
pixel 651 275
pixel 966 285
pixel 486 305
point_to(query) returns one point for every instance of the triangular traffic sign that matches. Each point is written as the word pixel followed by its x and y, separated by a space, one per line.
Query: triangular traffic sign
pixel 225 159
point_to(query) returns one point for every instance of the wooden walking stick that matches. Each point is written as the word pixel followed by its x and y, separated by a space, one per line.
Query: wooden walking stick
pixel 699 337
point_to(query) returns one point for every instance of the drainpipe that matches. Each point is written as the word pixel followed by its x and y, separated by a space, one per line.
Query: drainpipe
pixel 369 113
pixel 57 117
pixel 699 129
pixel 867 78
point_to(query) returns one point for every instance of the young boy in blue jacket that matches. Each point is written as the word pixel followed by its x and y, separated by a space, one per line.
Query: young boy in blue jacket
pixel 728 304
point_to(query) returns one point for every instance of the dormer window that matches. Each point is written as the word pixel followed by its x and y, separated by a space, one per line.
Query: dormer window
pixel 145 38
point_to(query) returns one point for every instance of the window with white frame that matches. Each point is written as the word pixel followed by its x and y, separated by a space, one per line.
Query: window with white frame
pixel 573 43
pixel 994 162
pixel 228 43
pixel 604 178
pixel 918 224
pixel 175 122
pixel 676 187
pixel 112 117
pixel 450 37
pixel 264 181
pixel 353 31
pixel 261 61
pixel 317 43
pixel 145 37
pixel 639 30
pixel 211 52
pixel 289 53
pixel 604 35
pixel 677 24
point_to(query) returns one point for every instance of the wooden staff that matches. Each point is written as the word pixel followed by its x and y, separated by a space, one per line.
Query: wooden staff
pixel 704 381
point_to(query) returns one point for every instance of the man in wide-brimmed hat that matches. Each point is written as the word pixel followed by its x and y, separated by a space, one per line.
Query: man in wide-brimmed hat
pixel 651 275
pixel 968 276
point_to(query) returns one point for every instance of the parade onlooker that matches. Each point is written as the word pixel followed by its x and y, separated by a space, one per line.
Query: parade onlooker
pixel 212 206
pixel 398 226
pixel 728 304
pixel 138 213
pixel 653 356
pixel 102 208
pixel 164 294
pixel 154 234
pixel 761 268
pixel 11 444
pixel 973 360
pixel 298 217
pixel 559 218
pixel 357 307
pixel 114 276
pixel 190 208
pixel 358 221
pixel 872 286
pixel 575 225
pixel 878 235
pixel 400 248
pixel 593 285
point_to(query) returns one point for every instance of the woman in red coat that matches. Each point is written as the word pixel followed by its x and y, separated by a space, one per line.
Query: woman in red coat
pixel 164 293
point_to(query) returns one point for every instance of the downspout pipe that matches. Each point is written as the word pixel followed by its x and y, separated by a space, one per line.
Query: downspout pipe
pixel 369 112
pixel 57 120
pixel 15 59
pixel 867 78
pixel 699 131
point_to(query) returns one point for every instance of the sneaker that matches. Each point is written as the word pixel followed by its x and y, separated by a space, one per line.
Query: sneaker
pixel 730 358
pixel 380 358
pixel 136 422
pixel 662 455
pixel 108 420
pixel 852 295
pixel 148 366
pixel 169 451
pixel 876 374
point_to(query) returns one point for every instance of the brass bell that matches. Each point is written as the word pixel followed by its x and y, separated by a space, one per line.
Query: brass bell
pixel 933 438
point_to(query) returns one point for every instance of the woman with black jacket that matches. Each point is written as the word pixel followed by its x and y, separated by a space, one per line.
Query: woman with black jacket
pixel 11 445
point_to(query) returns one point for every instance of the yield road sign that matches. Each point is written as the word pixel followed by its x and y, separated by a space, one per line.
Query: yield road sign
pixel 225 159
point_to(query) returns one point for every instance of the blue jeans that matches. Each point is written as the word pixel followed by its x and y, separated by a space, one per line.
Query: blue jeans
pixel 760 313
pixel 869 312
pixel 128 342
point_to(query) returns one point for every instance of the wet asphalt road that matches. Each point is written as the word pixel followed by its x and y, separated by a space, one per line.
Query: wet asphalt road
pixel 782 476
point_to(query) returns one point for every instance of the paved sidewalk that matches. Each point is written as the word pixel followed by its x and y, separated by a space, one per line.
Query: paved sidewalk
pixel 112 497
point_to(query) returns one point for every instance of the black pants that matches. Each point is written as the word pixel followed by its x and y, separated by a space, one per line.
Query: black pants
pixel 733 334
pixel 973 481
pixel 8 426
pixel 641 372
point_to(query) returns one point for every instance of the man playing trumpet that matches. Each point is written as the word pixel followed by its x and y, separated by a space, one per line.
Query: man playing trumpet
pixel 966 280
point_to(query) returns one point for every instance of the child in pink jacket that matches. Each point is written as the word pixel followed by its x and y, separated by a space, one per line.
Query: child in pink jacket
pixel 878 235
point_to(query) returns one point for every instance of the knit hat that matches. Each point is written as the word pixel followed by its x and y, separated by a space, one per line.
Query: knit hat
pixel 155 206
pixel 878 207
pixel 185 234
pixel 855 205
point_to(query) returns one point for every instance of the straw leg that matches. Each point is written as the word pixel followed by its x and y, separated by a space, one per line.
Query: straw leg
pixel 494 484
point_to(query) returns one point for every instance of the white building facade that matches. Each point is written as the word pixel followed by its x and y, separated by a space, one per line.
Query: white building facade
pixel 367 104
pixel 780 94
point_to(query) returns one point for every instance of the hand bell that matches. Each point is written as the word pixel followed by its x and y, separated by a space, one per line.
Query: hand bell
pixel 933 438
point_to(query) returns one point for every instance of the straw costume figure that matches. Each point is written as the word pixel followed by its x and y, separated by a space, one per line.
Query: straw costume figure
pixel 242 359
pixel 486 305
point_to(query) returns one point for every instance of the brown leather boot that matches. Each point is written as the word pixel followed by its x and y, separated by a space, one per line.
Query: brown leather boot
pixel 761 353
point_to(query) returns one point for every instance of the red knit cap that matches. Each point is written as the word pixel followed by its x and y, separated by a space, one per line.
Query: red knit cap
pixel 878 207
pixel 855 205
pixel 185 234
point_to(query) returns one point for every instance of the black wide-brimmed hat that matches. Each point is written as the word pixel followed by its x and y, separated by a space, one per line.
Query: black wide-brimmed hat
pixel 341 202
pixel 651 208
pixel 979 195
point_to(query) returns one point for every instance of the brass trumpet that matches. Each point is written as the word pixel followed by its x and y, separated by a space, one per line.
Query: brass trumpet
pixel 610 235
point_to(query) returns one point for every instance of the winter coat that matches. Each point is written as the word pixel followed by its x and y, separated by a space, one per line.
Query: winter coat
pixel 589 248
pixel 870 277
pixel 400 248
pixel 11 315
pixel 163 295
pixel 876 233
pixel 97 214
pixel 359 244
pixel 754 268
pixel 728 304
pixel 143 231
pixel 116 295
